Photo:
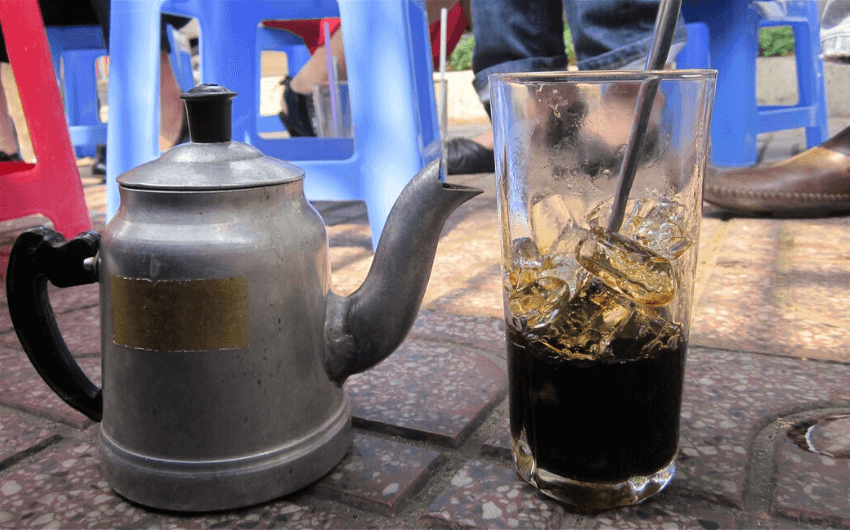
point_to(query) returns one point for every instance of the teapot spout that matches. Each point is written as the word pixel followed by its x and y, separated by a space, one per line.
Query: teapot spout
pixel 364 328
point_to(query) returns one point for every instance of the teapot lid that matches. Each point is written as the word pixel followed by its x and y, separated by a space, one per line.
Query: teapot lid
pixel 211 161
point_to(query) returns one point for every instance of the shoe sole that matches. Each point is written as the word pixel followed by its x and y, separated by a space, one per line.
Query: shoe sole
pixel 779 204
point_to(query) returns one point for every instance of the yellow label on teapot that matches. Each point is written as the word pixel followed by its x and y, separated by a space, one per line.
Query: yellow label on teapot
pixel 179 315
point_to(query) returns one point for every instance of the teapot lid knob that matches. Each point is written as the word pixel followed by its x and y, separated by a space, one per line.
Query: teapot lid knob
pixel 208 110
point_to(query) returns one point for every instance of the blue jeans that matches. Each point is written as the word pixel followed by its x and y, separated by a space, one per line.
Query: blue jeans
pixel 527 35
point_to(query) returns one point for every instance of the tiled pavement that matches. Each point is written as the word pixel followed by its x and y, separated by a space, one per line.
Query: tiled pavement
pixel 768 363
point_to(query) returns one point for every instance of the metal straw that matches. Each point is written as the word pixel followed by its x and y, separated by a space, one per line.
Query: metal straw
pixel 662 39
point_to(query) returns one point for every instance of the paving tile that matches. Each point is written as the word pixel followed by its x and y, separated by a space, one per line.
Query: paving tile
pixel 750 243
pixel 479 295
pixel 18 435
pixel 793 313
pixel 10 229
pixel 499 441
pixel 477 214
pixel 5 320
pixel 342 213
pixel 736 312
pixel 817 314
pixel 378 474
pixel 61 300
pixel 483 333
pixel 349 267
pixel 280 514
pixel 727 397
pixel 64 489
pixel 80 329
pixel 69 298
pixel 488 495
pixel 823 293
pixel 463 253
pixel 22 388
pixel 813 486
pixel 666 510
pixel 789 314
pixel 707 230
pixel 426 390
pixel 820 240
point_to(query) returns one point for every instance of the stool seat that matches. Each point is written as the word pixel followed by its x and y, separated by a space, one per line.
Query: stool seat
pixel 732 44
pixel 390 80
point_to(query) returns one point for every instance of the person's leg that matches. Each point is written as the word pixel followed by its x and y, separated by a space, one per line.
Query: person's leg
pixel 515 36
pixel 316 69
pixel 170 105
pixel 297 105
pixel 510 36
pixel 615 34
pixel 173 128
pixel 607 34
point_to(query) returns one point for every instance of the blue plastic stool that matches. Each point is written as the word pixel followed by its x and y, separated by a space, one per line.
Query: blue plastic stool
pixel 695 54
pixel 390 78
pixel 733 45
pixel 74 50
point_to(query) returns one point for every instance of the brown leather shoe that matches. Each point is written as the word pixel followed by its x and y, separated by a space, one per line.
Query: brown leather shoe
pixel 814 183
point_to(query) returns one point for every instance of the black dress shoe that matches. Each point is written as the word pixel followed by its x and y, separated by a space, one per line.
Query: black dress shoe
pixel 465 156
pixel 299 111
pixel 13 157
pixel 99 166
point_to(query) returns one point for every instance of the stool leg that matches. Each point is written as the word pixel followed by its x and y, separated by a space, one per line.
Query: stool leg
pixel 81 106
pixel 133 106
pixel 810 76
pixel 734 46
pixel 392 143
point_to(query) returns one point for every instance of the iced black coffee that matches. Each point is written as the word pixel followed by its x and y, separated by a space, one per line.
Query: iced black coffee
pixel 595 355
pixel 597 316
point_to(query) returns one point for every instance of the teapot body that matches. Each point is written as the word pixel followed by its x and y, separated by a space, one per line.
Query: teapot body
pixel 223 349
pixel 212 322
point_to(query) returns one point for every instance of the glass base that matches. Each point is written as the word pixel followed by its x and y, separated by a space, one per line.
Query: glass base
pixel 593 495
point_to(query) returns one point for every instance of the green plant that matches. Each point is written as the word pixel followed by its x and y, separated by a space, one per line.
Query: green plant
pixel 461 57
pixel 568 45
pixel 775 41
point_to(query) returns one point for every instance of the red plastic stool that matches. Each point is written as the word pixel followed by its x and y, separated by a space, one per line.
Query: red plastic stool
pixel 52 185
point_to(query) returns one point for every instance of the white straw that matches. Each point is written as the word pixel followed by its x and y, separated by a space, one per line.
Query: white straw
pixel 443 84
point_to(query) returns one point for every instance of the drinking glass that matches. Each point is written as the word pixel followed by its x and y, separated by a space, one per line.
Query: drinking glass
pixel 597 316
pixel 328 125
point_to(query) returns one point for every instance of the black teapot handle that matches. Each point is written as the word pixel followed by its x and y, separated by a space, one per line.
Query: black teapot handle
pixel 38 255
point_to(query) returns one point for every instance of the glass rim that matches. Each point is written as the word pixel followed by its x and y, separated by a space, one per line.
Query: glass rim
pixel 601 76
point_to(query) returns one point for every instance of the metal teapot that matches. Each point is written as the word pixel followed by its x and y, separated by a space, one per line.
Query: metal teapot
pixel 224 350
